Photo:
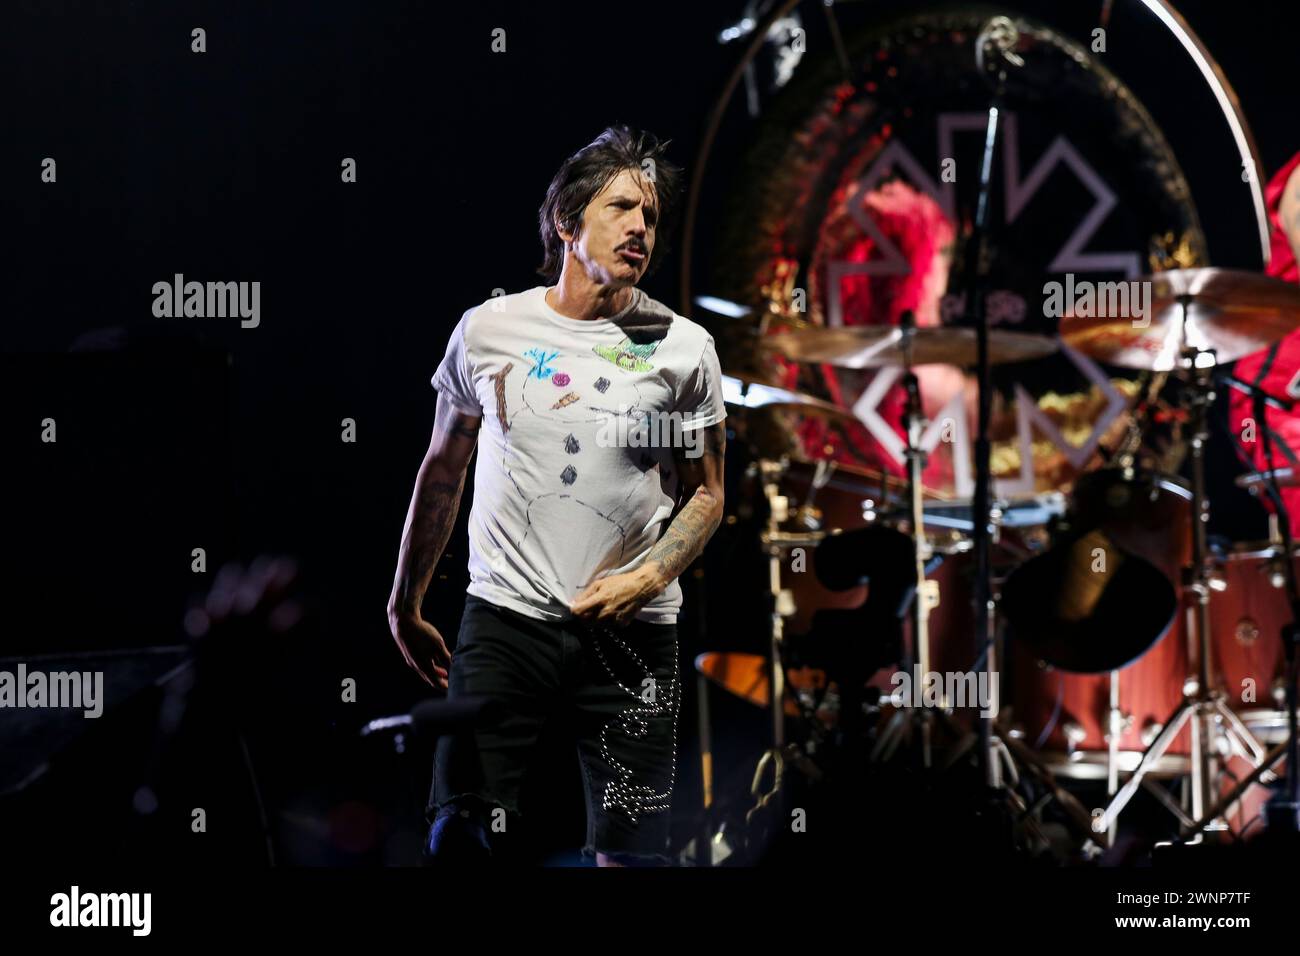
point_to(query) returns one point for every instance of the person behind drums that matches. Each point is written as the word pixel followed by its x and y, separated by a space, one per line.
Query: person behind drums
pixel 1276 370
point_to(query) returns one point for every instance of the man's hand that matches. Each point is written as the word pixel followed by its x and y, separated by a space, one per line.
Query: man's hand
pixel 616 599
pixel 422 646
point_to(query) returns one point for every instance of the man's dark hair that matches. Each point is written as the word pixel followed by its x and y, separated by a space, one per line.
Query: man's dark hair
pixel 584 174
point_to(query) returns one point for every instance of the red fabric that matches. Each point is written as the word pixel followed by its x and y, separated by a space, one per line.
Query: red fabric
pixel 917 228
pixel 1286 363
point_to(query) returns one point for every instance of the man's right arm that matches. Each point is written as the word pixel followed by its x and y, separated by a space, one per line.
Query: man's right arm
pixel 429 522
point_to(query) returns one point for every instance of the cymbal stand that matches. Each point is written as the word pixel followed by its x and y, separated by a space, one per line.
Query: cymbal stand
pixel 1283 810
pixel 926 594
pixel 1202 709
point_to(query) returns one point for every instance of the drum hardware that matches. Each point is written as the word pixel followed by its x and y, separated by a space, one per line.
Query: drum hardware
pixel 1214 316
pixel 1283 809
pixel 763 799
pixel 1074 736
pixel 1216 731
pixel 782 600
pixel 1015 759
pixel 761 679
pixel 1261 773
pixel 925 596
pixel 1117 723
pixel 808 515
pixel 1194 325
pixel 1255 481
pixel 1079 821
pixel 1202 709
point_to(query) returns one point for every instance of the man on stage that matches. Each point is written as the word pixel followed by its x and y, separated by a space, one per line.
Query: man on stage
pixel 598 481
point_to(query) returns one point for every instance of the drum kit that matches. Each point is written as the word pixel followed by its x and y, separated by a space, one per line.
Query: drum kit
pixel 1125 647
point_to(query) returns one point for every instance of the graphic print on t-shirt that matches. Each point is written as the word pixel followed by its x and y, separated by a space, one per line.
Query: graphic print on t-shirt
pixel 562 493
pixel 499 390
pixel 564 400
pixel 629 356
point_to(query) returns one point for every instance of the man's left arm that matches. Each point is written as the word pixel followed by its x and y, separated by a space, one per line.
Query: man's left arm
pixel 616 599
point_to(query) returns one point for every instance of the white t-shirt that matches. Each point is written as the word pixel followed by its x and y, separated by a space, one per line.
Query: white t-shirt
pixel 561 495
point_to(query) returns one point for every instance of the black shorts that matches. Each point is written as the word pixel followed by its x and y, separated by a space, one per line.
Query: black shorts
pixel 617 688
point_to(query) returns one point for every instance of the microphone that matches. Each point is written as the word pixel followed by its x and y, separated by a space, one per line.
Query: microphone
pixel 436 716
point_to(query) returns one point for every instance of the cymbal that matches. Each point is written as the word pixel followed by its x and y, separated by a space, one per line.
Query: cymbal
pixel 752 391
pixel 877 346
pixel 1229 312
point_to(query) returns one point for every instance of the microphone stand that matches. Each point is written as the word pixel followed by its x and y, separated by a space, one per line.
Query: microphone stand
pixel 995 753
pixel 990 765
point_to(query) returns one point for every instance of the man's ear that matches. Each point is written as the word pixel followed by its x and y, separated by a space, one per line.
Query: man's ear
pixel 560 230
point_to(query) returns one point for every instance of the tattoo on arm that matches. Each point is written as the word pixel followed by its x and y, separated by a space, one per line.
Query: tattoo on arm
pixel 428 528
pixel 695 523
pixel 687 535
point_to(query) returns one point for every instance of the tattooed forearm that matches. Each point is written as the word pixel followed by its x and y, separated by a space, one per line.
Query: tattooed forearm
pixel 428 527
pixel 687 535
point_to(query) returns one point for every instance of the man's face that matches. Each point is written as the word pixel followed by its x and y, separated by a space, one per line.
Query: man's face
pixel 618 230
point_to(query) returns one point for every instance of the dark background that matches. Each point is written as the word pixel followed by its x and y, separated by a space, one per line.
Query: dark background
pixel 225 166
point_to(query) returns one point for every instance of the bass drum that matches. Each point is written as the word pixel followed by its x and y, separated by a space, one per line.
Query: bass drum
pixel 1064 715
pixel 1060 688
pixel 1107 589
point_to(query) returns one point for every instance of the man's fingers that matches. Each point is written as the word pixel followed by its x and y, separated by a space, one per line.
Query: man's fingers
pixel 585 602
pixel 434 645
pixel 426 653
pixel 441 656
pixel 424 670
